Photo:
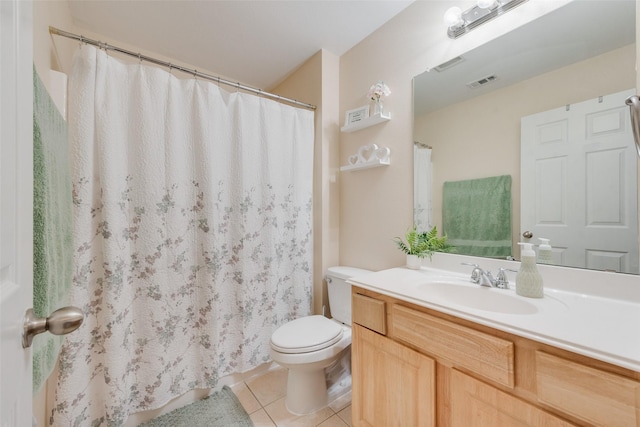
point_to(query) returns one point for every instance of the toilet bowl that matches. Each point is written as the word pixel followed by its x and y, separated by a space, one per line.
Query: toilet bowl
pixel 309 345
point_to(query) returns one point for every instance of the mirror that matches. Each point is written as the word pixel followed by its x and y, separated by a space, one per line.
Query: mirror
pixel 468 111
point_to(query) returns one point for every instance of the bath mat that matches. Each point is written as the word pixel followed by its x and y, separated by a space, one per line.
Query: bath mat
pixel 221 409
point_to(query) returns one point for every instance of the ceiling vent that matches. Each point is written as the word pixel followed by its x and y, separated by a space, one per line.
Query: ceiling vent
pixel 450 63
pixel 483 81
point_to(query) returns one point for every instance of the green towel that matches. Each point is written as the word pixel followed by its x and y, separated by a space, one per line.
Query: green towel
pixel 476 216
pixel 52 224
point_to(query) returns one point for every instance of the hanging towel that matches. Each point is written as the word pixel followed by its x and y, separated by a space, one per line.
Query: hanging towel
pixel 52 221
pixel 476 216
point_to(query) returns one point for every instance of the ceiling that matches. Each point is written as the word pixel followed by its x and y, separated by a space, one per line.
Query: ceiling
pixel 255 42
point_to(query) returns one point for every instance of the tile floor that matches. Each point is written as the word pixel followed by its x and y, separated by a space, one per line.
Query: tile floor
pixel 263 398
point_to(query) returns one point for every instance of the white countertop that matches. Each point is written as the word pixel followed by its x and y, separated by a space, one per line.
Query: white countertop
pixel 592 324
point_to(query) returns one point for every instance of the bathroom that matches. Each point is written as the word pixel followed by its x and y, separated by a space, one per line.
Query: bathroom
pixel 356 214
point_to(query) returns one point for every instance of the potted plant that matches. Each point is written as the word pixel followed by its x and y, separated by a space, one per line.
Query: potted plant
pixel 420 245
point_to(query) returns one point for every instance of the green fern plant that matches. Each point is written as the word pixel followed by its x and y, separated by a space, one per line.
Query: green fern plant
pixel 414 244
pixel 423 244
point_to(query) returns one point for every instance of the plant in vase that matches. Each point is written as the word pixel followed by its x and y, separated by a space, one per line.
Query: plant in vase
pixel 376 92
pixel 420 245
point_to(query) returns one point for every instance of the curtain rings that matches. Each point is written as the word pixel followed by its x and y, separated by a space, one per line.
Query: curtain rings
pixel 104 46
pixel 170 67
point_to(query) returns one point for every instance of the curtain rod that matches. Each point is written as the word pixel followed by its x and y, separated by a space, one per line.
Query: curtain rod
pixel 422 145
pixel 195 73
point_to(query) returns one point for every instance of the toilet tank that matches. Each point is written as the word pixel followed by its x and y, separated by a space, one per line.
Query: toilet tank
pixel 340 291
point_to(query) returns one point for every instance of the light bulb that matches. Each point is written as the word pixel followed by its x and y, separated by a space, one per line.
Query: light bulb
pixel 453 17
pixel 486 4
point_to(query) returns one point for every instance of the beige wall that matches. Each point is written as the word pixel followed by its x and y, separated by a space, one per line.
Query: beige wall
pixel 377 204
pixel 488 144
pixel 316 82
pixel 48 53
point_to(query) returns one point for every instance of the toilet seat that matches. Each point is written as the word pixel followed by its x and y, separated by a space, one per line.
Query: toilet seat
pixel 306 334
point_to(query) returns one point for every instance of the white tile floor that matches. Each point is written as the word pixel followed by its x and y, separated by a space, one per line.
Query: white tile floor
pixel 263 398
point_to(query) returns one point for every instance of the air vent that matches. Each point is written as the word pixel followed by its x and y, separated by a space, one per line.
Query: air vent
pixel 483 81
pixel 450 63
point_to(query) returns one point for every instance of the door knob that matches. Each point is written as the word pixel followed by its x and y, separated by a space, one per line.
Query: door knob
pixel 62 321
pixel 527 234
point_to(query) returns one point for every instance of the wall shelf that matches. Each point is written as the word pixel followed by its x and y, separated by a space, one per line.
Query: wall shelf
pixel 366 165
pixel 365 123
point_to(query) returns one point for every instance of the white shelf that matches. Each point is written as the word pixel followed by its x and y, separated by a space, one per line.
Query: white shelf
pixel 365 123
pixel 367 165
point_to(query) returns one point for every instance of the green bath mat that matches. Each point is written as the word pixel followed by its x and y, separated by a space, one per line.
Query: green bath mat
pixel 221 409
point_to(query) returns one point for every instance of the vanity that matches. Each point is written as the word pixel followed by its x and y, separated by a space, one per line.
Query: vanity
pixel 430 348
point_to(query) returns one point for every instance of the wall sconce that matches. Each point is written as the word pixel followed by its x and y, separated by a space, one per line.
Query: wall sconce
pixel 459 22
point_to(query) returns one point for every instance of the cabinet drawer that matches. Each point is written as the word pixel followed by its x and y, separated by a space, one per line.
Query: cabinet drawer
pixel 483 354
pixel 370 313
pixel 589 394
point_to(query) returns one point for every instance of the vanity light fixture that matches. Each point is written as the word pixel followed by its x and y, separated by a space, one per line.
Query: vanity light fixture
pixel 459 22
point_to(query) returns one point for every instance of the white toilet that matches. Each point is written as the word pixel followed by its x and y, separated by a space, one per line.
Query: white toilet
pixel 309 345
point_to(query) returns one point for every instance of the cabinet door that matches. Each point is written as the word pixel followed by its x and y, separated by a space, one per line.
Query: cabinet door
pixel 474 403
pixel 596 397
pixel 392 384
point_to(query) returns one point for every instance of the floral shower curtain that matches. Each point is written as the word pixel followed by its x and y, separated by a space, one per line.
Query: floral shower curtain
pixel 192 235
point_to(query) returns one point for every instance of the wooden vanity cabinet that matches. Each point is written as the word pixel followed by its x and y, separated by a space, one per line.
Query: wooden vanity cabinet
pixel 389 372
pixel 412 366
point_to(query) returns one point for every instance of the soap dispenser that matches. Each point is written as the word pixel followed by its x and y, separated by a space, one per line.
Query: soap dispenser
pixel 544 251
pixel 528 278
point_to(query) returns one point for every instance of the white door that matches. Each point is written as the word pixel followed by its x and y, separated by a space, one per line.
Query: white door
pixel 579 185
pixel 16 218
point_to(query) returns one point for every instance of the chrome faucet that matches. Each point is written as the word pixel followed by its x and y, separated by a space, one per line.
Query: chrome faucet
pixel 485 278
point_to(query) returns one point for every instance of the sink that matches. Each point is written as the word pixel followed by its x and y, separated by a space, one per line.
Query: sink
pixel 477 297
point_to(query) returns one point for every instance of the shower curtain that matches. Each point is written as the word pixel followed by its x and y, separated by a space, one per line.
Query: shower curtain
pixel 422 213
pixel 192 235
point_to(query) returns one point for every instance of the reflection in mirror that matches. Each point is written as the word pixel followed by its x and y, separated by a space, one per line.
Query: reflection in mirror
pixel 422 215
pixel 470 110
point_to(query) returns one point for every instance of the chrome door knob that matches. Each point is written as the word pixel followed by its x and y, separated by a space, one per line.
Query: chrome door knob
pixel 61 322
pixel 527 234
